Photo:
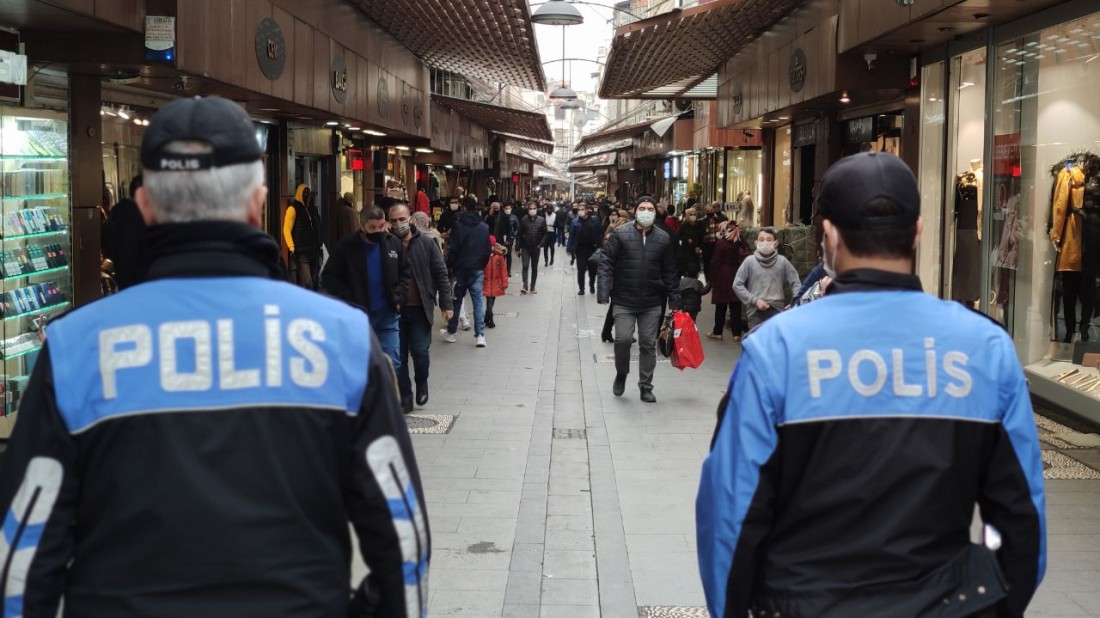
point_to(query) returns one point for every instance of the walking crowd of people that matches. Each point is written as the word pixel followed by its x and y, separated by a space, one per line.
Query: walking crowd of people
pixel 236 424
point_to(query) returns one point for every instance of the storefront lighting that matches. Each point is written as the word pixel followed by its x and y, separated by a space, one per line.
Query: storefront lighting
pixel 374 133
pixel 425 150
pixel 402 147
pixel 844 98
pixel 331 123
pixel 122 113
pixel 557 13
pixel 353 128
pixel 448 167
pixel 137 121
pixel 144 123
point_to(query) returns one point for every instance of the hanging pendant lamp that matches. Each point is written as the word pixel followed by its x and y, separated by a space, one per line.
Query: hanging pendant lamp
pixel 557 13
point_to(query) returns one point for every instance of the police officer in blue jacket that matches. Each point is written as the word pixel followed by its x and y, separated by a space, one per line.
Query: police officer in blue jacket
pixel 197 445
pixel 859 432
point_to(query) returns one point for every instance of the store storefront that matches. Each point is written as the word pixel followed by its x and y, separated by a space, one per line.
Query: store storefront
pixel 1019 238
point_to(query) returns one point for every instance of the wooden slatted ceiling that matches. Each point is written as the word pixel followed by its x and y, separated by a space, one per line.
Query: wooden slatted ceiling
pixel 613 135
pixel 686 46
pixel 498 119
pixel 488 39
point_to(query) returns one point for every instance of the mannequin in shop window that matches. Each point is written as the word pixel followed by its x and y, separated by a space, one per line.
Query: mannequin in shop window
pixel 967 263
pixel 1067 232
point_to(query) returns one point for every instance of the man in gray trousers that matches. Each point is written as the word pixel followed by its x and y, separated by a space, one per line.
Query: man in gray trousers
pixel 640 270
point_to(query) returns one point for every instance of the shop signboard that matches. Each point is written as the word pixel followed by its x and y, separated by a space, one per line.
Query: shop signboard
pixel 270 48
pixel 861 130
pixel 339 79
pixel 797 70
pixel 804 135
pixel 160 38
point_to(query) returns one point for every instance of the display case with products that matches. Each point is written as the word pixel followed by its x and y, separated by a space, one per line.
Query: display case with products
pixel 35 278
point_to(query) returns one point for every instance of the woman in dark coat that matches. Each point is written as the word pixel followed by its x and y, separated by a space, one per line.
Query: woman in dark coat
pixel 729 251
pixel 691 238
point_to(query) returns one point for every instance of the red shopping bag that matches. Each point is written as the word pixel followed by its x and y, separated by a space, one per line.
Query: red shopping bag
pixel 687 348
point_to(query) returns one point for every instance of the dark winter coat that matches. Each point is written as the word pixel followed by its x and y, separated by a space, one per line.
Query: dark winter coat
pixel 692 292
pixel 727 258
pixel 468 248
pixel 430 273
pixel 345 273
pixel 532 231
pixel 123 243
pixel 691 238
pixel 641 268
pixel 585 236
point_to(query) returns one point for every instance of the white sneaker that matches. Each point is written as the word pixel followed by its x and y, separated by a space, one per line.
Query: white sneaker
pixel 463 323
pixel 481 341
pixel 448 336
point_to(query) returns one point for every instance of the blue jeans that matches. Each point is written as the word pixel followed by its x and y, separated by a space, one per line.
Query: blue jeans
pixel 471 281
pixel 416 339
pixel 387 328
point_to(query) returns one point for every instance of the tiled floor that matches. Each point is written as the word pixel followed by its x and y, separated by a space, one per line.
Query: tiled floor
pixel 550 497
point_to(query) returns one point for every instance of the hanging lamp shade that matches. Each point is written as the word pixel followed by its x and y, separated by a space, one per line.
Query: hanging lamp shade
pixel 557 13
pixel 565 93
pixel 571 104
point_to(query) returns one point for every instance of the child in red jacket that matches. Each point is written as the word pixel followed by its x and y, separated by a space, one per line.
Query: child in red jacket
pixel 496 279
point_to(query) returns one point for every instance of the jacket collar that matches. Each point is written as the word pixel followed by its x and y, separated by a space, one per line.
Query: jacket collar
pixel 211 249
pixel 872 280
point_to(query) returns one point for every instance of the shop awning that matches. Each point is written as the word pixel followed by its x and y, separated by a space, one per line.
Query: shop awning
pixel 489 39
pixel 506 121
pixel 606 159
pixel 676 55
pixel 530 144
pixel 615 134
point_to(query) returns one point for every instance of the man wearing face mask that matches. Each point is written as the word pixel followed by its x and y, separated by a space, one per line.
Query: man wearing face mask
pixel 860 431
pixel 427 281
pixel 509 238
pixel 369 269
pixel 585 236
pixel 447 219
pixel 709 233
pixel 532 231
pixel 765 279
pixel 641 265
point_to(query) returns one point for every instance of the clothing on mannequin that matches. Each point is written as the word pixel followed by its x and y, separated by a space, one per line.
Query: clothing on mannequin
pixel 966 269
pixel 1069 193
pixel 1090 254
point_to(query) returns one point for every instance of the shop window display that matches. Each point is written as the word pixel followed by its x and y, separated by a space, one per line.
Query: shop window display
pixel 1045 242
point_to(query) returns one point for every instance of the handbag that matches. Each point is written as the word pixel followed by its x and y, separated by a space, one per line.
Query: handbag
pixel 687 348
pixel 664 337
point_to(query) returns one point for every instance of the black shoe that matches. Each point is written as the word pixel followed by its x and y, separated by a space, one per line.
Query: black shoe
pixel 490 324
pixel 648 397
pixel 421 393
pixel 1084 332
pixel 407 406
pixel 592 289
pixel 581 293
pixel 620 385
pixel 551 262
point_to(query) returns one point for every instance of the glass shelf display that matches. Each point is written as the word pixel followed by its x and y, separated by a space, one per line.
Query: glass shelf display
pixel 35 244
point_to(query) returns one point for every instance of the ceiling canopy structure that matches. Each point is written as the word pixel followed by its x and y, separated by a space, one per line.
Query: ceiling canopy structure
pixel 529 144
pixel 502 120
pixel 676 55
pixel 606 159
pixel 615 134
pixel 492 40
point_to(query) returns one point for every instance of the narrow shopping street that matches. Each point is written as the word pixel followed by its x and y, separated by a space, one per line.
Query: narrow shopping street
pixel 548 496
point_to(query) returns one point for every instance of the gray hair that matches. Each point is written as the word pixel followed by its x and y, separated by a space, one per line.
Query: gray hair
pixel 217 194
pixel 371 213
pixel 420 220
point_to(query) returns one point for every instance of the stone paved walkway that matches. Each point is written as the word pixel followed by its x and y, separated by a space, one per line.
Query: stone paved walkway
pixel 551 498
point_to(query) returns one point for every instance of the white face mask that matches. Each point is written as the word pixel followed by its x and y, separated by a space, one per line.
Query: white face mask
pixel 507 211
pixel 532 212
pixel 454 206
pixel 645 218
pixel 766 247
pixel 401 229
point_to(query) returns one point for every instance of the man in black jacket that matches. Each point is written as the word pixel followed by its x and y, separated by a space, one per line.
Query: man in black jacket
pixel 196 445
pixel 641 265
pixel 532 231
pixel 468 252
pixel 585 237
pixel 123 239
pixel 369 269
pixel 427 281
